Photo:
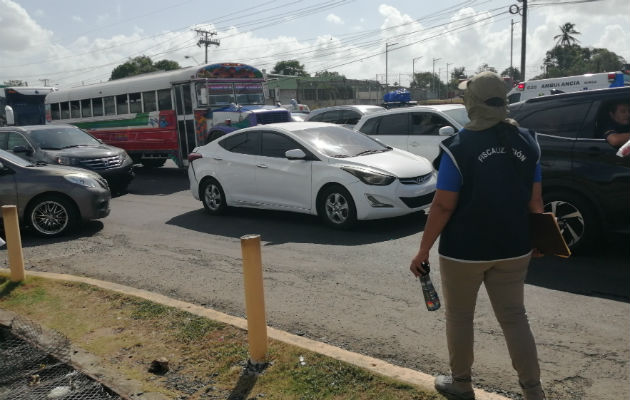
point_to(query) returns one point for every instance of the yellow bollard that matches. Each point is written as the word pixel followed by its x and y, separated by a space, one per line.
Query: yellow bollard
pixel 14 242
pixel 254 298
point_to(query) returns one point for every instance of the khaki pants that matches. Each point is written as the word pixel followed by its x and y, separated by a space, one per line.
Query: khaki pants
pixel 504 281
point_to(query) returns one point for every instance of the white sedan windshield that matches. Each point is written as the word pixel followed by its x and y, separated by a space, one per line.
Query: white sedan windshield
pixel 336 141
pixel 459 114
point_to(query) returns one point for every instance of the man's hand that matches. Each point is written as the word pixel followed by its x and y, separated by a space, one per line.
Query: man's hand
pixel 416 267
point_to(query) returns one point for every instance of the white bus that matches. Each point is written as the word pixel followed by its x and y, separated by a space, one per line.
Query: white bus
pixel 544 87
pixel 162 115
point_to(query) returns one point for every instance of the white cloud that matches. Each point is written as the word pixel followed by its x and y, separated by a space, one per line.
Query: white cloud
pixel 332 18
pixel 29 52
pixel 100 19
pixel 77 18
pixel 19 32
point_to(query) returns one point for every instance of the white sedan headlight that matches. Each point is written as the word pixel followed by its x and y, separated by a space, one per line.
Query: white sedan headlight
pixel 370 177
pixel 82 180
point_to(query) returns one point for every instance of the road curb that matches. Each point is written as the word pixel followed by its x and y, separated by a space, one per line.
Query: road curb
pixel 407 375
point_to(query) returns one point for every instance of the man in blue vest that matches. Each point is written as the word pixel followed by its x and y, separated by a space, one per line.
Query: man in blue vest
pixel 489 181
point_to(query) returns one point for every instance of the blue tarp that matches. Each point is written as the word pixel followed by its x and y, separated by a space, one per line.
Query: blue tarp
pixel 400 95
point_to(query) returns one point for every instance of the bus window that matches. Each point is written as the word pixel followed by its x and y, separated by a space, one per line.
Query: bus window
pixel 54 111
pixel 86 108
pixel 135 103
pixel 164 99
pixel 221 94
pixel 75 109
pixel 110 105
pixel 148 100
pixel 97 106
pixel 122 106
pixel 65 110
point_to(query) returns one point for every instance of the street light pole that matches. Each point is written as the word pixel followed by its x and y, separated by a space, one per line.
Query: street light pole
pixel 413 68
pixel 386 51
pixel 433 76
pixel 447 81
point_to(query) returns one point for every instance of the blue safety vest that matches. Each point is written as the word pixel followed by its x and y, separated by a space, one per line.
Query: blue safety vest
pixel 491 220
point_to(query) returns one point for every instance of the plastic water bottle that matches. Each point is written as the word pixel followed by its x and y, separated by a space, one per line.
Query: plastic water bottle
pixel 431 298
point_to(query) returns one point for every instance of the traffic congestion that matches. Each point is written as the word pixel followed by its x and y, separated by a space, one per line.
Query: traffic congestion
pixel 357 186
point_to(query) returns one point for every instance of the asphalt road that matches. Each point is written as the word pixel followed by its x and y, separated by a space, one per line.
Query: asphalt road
pixel 353 289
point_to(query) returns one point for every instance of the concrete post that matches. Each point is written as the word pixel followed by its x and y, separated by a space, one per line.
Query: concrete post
pixel 14 242
pixel 254 298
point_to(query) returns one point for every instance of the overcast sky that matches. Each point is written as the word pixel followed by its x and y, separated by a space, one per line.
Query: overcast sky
pixel 70 43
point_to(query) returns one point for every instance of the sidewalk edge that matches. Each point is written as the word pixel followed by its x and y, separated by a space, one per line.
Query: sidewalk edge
pixel 407 375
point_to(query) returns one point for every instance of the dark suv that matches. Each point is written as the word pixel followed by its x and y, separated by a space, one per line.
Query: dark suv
pixel 585 184
pixel 69 145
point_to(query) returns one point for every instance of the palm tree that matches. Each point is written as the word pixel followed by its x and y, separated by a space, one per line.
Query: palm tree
pixel 566 38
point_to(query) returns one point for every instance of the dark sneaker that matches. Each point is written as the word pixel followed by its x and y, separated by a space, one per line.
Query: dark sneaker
pixel 534 392
pixel 454 389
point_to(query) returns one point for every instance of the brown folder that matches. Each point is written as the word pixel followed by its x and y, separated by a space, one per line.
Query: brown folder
pixel 546 235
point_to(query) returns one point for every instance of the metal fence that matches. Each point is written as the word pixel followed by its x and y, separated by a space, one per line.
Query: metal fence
pixel 34 365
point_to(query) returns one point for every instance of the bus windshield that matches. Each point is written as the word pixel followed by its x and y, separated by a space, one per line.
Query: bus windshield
pixel 249 93
pixel 220 94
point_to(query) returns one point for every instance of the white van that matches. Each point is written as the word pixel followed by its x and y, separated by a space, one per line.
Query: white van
pixel 545 87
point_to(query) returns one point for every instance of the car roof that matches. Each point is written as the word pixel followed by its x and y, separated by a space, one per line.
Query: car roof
pixel 358 107
pixel 433 107
pixel 583 93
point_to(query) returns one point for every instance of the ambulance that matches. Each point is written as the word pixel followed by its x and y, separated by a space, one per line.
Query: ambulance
pixel 545 87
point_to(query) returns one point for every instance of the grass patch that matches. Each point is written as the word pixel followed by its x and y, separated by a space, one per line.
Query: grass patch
pixel 206 358
pixel 148 310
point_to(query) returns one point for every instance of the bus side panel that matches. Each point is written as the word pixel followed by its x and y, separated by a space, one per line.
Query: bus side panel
pixel 158 132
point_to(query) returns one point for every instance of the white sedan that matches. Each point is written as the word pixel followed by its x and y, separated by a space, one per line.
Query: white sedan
pixel 310 167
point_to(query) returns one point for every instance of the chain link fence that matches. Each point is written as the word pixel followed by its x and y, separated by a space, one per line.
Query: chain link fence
pixel 34 364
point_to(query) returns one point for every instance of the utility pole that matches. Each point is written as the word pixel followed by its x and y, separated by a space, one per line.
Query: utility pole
pixel 206 41
pixel 512 23
pixel 413 69
pixel 523 40
pixel 386 51
pixel 433 75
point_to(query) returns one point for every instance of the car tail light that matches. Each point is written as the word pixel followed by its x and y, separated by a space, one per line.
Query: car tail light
pixel 193 156
pixel 611 77
pixel 521 86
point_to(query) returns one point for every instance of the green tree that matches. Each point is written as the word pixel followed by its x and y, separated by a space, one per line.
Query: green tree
pixel 289 67
pixel 458 75
pixel 485 67
pixel 141 65
pixel 166 65
pixel 603 60
pixel 332 75
pixel 15 82
pixel 428 81
pixel 566 36
pixel 512 72
pixel 577 60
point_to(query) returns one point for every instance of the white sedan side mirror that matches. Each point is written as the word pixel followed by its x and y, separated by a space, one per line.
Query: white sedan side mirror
pixel 295 154
pixel 446 131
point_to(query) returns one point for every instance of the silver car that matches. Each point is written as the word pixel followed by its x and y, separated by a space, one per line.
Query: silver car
pixel 52 200
pixel 346 115
pixel 418 129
